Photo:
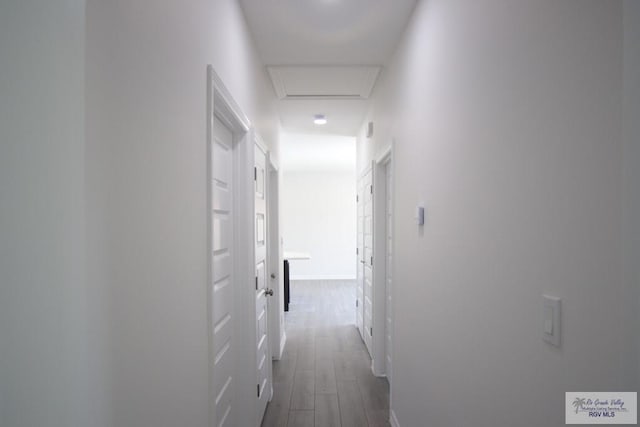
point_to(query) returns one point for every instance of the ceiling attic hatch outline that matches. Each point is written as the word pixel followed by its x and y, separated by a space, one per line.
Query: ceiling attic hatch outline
pixel 324 82
pixel 318 96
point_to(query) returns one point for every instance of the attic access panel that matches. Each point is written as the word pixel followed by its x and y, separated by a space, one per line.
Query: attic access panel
pixel 323 82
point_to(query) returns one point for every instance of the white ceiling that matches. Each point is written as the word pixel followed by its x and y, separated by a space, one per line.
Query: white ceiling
pixel 336 32
pixel 315 47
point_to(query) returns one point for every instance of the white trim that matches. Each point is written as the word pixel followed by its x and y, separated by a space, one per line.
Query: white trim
pixel 221 104
pixel 390 166
pixel 224 102
pixel 379 270
pixel 260 153
pixel 262 146
pixel 393 419
pixel 273 166
pixel 385 156
pixel 323 277
pixel 379 360
pixel 360 288
pixel 278 84
pixel 245 303
pixel 274 261
pixel 209 174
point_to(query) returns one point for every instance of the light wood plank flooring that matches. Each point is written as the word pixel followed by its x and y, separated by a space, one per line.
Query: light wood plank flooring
pixel 324 377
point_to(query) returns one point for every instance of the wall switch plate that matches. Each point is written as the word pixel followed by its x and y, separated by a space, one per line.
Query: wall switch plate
pixel 420 215
pixel 369 129
pixel 551 320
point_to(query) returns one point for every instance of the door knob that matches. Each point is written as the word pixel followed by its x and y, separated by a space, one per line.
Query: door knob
pixel 273 275
pixel 268 292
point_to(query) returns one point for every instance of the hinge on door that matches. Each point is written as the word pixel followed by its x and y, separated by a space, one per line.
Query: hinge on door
pixel 357 251
pixel 371 331
pixel 356 303
pixel 256 283
pixel 371 260
pixel 357 199
pixel 371 189
pixel 255 174
pixel 258 391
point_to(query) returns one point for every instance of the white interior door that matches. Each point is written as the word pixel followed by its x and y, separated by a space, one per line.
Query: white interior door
pixel 389 270
pixel 360 260
pixel 263 387
pixel 277 336
pixel 367 221
pixel 222 313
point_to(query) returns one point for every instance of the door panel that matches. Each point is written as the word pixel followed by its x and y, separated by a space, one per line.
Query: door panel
pixel 221 231
pixel 263 381
pixel 222 277
pixel 260 274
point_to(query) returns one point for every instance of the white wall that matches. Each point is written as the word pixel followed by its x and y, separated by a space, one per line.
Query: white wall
pixel 146 191
pixel 319 217
pixel 44 377
pixel 103 220
pixel 631 177
pixel 507 119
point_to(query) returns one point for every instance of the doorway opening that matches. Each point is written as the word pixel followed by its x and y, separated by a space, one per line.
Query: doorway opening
pixel 319 224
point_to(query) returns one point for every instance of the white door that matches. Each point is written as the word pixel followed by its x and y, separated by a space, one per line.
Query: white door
pixel 222 314
pixel 389 269
pixel 263 381
pixel 274 251
pixel 360 261
pixel 367 232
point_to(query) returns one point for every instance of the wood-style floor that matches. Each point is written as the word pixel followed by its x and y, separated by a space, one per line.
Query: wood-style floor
pixel 324 377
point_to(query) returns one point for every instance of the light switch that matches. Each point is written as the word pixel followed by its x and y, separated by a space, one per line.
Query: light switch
pixel 548 321
pixel 420 215
pixel 551 320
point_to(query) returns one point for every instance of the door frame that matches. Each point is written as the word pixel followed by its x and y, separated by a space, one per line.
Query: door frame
pixel 220 103
pixel 275 261
pixel 360 277
pixel 379 261
pixel 261 146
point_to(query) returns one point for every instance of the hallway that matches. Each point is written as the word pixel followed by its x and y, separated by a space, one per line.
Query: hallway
pixel 324 377
pixel 140 143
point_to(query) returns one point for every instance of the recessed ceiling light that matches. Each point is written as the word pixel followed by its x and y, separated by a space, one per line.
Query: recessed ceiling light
pixel 320 119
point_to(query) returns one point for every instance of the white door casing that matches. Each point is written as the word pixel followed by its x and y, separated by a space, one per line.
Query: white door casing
pixel 263 354
pixel 277 336
pixel 389 271
pixel 360 260
pixel 382 241
pixel 367 259
pixel 231 259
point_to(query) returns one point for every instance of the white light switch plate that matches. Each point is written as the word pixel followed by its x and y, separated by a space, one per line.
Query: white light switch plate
pixel 551 320
pixel 419 215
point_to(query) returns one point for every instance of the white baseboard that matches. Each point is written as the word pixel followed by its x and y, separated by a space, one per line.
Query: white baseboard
pixel 324 277
pixel 392 419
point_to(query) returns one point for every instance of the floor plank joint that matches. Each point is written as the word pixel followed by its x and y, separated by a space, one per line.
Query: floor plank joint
pixel 324 378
